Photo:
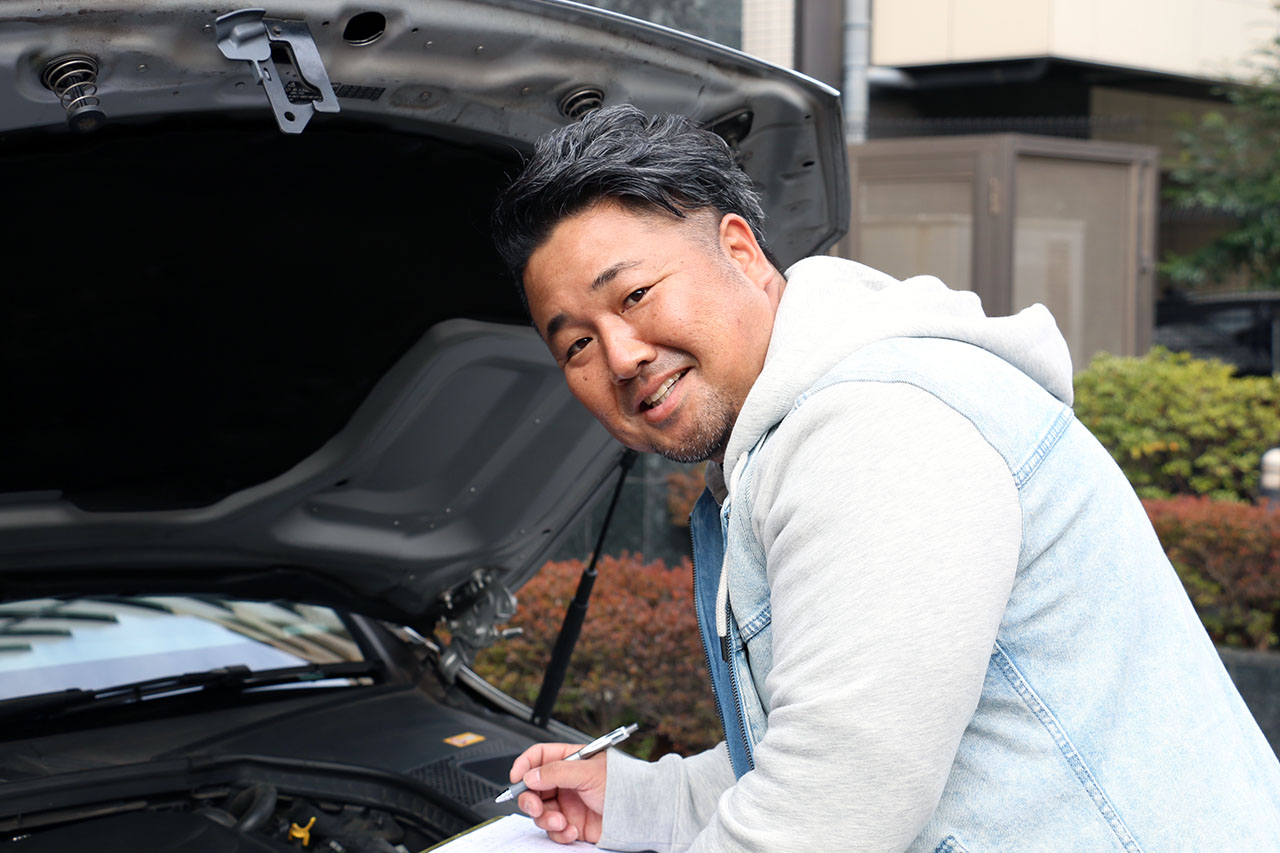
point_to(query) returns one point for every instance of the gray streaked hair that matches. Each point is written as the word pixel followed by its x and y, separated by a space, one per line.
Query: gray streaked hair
pixel 660 163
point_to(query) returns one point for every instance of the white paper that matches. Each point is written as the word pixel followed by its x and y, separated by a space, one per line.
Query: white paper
pixel 514 833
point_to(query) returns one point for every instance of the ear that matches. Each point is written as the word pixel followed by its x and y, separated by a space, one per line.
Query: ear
pixel 740 246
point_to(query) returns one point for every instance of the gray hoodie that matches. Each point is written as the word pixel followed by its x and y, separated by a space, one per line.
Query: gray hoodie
pixel 940 497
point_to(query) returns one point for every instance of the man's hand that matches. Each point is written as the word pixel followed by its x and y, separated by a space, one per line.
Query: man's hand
pixel 565 798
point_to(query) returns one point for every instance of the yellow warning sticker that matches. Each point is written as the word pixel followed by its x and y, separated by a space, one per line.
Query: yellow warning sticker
pixel 464 739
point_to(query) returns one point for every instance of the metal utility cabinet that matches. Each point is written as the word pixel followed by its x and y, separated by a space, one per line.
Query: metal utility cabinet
pixel 1018 220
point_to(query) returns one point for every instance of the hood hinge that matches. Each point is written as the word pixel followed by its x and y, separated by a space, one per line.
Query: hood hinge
pixel 473 610
pixel 248 35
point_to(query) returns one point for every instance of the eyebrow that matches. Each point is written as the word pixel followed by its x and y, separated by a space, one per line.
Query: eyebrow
pixel 611 273
pixel 555 323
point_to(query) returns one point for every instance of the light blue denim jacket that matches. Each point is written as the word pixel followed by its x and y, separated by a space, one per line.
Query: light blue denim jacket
pixel 1106 720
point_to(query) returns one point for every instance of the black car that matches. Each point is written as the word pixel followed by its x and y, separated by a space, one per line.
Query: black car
pixel 279 445
pixel 1242 329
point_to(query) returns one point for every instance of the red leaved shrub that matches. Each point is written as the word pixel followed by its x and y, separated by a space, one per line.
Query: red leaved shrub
pixel 639 658
pixel 1228 556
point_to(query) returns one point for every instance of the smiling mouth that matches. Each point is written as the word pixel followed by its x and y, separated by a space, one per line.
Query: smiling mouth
pixel 664 389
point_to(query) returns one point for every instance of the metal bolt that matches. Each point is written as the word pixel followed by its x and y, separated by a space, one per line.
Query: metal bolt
pixel 142 69
pixel 479 48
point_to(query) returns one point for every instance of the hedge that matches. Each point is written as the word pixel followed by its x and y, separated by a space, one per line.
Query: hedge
pixel 1228 556
pixel 639 659
pixel 1180 425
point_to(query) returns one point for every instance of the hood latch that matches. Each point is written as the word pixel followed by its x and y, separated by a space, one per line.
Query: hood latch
pixel 250 36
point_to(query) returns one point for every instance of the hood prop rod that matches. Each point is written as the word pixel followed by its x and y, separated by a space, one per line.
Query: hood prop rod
pixel 576 613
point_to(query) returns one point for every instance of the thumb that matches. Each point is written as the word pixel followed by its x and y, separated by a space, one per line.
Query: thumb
pixel 585 776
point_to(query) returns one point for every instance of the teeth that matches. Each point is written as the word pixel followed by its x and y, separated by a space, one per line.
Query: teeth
pixel 659 395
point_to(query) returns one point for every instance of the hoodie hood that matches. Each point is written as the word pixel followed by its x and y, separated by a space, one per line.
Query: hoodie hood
pixel 832 308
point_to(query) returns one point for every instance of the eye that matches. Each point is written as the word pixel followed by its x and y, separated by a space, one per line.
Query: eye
pixel 634 296
pixel 576 347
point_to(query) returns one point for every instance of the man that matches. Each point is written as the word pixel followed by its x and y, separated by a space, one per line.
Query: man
pixel 935 613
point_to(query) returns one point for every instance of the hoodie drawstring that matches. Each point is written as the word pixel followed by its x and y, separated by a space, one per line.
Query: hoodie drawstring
pixel 722 590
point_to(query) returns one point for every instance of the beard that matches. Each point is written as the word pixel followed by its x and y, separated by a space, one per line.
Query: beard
pixel 709 435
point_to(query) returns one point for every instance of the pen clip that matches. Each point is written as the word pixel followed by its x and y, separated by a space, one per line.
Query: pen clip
pixel 603 742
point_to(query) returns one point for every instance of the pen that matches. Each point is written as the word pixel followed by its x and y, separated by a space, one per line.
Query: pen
pixel 600 744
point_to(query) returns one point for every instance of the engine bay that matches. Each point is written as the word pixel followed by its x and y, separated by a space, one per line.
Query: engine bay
pixel 367 769
pixel 258 816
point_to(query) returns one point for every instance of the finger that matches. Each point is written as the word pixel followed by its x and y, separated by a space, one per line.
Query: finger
pixel 557 816
pixel 568 835
pixel 576 814
pixel 551 819
pixel 530 803
pixel 538 754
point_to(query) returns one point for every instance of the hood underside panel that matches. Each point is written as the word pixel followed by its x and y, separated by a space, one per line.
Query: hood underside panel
pixel 197 308
pixel 504 70
pixel 468 453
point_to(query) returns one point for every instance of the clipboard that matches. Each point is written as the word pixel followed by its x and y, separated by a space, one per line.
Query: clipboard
pixel 513 833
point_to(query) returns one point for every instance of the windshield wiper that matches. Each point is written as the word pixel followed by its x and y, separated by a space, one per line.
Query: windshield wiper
pixel 212 682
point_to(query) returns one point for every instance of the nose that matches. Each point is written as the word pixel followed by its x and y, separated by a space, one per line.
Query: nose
pixel 626 351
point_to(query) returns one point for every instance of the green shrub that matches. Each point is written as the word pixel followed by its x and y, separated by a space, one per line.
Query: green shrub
pixel 1180 425
pixel 1228 556
pixel 639 658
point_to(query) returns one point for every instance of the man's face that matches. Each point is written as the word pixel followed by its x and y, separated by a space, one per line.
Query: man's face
pixel 660 324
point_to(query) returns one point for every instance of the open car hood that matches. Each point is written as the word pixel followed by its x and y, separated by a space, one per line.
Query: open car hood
pixel 290 365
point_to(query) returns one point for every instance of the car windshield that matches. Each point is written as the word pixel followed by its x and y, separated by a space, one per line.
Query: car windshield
pixel 88 644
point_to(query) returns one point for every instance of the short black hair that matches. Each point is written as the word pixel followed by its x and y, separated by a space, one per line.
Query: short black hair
pixel 661 163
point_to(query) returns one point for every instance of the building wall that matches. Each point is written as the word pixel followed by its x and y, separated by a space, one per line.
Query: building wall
pixel 1196 38
pixel 717 20
pixel 642 523
pixel 768 30
pixel 1146 118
